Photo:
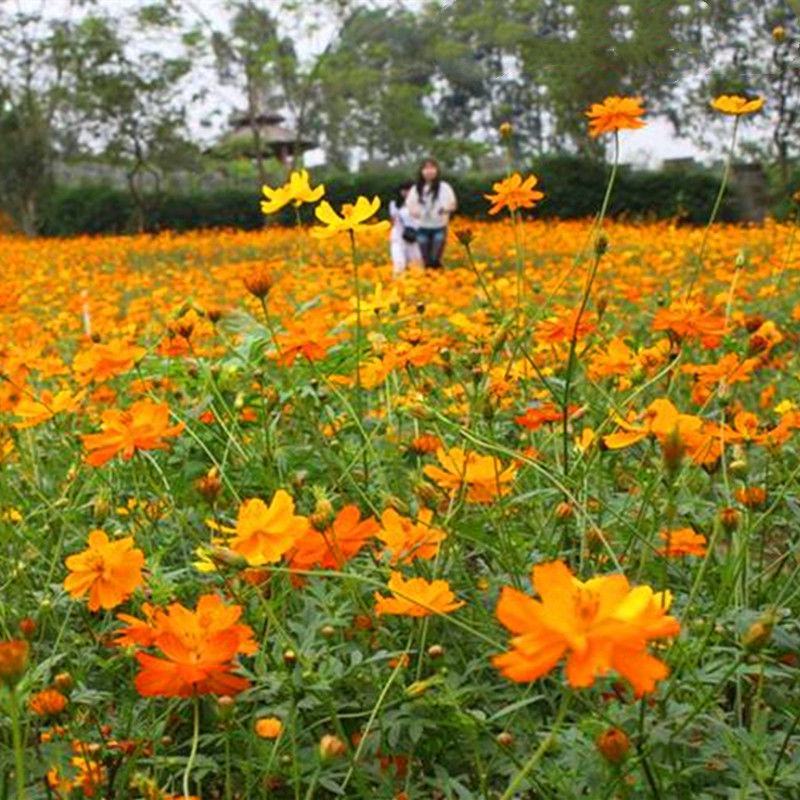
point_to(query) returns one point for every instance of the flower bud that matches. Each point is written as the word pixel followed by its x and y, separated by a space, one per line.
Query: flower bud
pixel 760 632
pixel 601 245
pixel 506 129
pixel 289 657
pixel 63 681
pixel 258 282
pixel 729 517
pixel 331 747
pixel 505 739
pixel 323 515
pixel 778 34
pixel 564 510
pixel 435 651
pixel 27 627
pixel 613 744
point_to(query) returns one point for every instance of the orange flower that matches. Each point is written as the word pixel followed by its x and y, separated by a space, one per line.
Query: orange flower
pixel 103 361
pixel 110 571
pixel 335 545
pixel 264 534
pixel 416 597
pixel 407 539
pixel 600 624
pixel 615 114
pixel 143 426
pixel 89 779
pixel 682 542
pixel 268 727
pixel 513 193
pixel 536 416
pixel 307 338
pixel 47 703
pixel 258 281
pixel 735 105
pixel 483 476
pixel 426 443
pixel 32 412
pixel 199 648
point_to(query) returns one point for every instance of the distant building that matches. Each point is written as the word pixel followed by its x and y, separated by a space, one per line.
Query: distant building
pixel 265 134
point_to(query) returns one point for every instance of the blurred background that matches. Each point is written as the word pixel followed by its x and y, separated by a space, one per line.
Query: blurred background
pixel 120 115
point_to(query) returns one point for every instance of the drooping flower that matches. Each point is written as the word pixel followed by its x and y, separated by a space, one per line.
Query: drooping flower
pixel 408 539
pixel 197 650
pixel 682 542
pixel 483 477
pixel 264 534
pixel 354 218
pixel 600 625
pixel 297 190
pixel 514 193
pixel 143 426
pixel 336 544
pixel 108 570
pixel 614 114
pixel 13 660
pixel 416 597
pixel 735 105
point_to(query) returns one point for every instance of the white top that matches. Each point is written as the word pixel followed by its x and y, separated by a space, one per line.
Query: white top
pixel 428 212
pixel 401 218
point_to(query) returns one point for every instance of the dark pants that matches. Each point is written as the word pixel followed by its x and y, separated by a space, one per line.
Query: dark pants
pixel 431 245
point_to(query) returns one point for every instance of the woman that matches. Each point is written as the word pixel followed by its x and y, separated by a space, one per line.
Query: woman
pixel 403 238
pixel 430 202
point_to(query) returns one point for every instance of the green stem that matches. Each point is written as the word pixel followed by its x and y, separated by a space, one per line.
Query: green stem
pixel 598 254
pixel 16 735
pixel 195 739
pixel 715 210
pixel 543 747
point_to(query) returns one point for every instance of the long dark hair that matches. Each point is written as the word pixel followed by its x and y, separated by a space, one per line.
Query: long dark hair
pixel 399 197
pixel 435 183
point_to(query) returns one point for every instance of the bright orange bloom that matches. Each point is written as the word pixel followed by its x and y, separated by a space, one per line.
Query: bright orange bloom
pixel 199 648
pixel 103 361
pixel 268 727
pixel 600 625
pixel 264 534
pixel 536 416
pixel 682 542
pixel 335 545
pixel 307 338
pixel 563 326
pixel 32 411
pixel 110 571
pixel 143 426
pixel 614 114
pixel 483 477
pixel 426 443
pixel 408 539
pixel 513 193
pixel 47 703
pixel 735 105
pixel 416 597
pixel 90 778
pixel 692 320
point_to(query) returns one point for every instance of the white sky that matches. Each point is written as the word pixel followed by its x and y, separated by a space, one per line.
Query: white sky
pixel 647 147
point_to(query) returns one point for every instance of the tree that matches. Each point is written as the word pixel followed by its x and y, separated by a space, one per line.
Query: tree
pixel 131 99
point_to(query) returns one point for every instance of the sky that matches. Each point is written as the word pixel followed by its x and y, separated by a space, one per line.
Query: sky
pixel 646 147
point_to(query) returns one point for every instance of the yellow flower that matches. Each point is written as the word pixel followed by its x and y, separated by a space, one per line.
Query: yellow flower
pixel 354 218
pixel 735 105
pixel 298 191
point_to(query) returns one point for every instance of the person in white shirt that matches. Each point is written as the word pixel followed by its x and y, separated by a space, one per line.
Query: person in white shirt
pixel 431 201
pixel 403 238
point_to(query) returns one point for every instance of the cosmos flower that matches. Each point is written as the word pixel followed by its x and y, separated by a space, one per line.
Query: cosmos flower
pixel 615 114
pixel 599 625
pixel 108 570
pixel 416 597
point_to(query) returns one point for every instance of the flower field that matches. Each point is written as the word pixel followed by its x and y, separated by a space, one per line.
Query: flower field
pixel 277 526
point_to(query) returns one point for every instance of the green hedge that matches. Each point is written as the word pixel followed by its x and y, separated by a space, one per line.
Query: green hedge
pixel 573 187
